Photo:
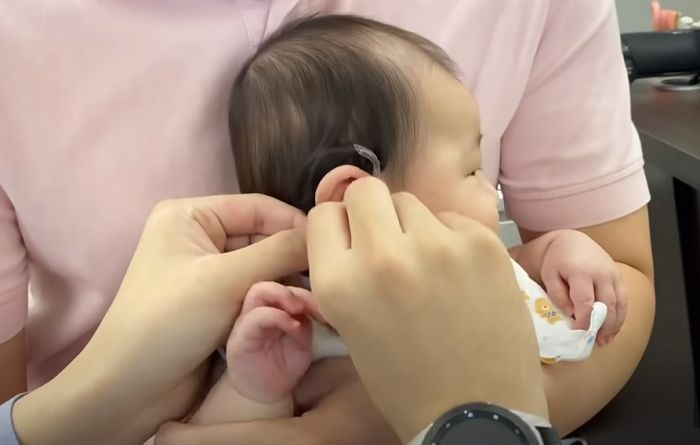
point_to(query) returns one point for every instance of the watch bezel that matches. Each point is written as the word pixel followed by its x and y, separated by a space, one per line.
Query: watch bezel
pixel 464 413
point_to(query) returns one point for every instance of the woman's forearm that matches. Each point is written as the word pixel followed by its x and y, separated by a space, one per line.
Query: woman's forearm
pixel 576 391
pixel 71 411
pixel 90 401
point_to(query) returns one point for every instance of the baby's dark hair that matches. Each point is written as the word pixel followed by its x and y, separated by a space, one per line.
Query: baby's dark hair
pixel 316 87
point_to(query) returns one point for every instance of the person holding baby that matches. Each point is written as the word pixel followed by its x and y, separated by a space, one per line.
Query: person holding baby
pixel 344 94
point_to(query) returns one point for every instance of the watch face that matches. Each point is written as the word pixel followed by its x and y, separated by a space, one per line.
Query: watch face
pixel 482 431
pixel 479 423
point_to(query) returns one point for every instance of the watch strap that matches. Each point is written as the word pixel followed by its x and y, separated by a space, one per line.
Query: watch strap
pixel 418 439
pixel 541 427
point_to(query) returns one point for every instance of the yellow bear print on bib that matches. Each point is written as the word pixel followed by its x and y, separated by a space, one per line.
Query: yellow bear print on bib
pixel 545 309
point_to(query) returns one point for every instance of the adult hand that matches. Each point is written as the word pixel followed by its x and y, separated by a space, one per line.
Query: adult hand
pixel 336 410
pixel 429 308
pixel 178 301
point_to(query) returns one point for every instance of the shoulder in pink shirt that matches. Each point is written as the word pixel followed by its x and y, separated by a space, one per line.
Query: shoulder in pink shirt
pixel 108 107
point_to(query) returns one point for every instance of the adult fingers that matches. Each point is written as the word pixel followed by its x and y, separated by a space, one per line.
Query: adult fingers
pixel 278 255
pixel 246 214
pixel 270 432
pixel 582 295
pixel 327 231
pixel 605 293
pixel 240 241
pixel 371 213
pixel 457 222
pixel 344 416
pixel 414 216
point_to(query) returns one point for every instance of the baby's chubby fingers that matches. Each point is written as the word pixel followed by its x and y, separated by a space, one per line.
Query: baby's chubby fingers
pixel 265 323
pixel 558 292
pixel 582 294
pixel 310 306
pixel 273 294
pixel 606 293
pixel 621 293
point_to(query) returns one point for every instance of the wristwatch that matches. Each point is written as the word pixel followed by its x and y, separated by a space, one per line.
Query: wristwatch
pixel 484 423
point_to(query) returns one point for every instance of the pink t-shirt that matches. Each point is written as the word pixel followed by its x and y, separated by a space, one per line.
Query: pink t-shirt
pixel 108 107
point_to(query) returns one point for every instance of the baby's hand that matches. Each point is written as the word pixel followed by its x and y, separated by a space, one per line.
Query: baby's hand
pixel 270 346
pixel 576 271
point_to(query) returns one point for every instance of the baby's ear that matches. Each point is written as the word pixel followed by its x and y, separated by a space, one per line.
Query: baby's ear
pixel 332 186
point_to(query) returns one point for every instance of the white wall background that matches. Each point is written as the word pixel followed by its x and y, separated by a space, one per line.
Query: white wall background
pixel 635 15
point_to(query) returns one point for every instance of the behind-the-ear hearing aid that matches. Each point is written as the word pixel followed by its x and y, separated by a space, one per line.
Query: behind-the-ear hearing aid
pixel 370 156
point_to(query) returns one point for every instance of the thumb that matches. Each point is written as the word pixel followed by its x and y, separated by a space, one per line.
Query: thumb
pixel 274 257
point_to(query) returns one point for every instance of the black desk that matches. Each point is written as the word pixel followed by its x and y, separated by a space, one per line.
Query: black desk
pixel 659 404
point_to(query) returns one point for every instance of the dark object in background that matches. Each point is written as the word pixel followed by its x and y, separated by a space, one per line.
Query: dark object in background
pixel 653 54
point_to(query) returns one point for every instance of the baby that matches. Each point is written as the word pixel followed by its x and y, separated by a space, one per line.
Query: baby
pixel 328 100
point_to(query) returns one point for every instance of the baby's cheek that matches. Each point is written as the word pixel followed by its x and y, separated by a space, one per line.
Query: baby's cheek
pixel 482 209
pixel 488 207
pixel 492 220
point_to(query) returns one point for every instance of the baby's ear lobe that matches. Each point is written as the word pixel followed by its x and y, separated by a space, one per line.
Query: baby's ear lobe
pixel 332 186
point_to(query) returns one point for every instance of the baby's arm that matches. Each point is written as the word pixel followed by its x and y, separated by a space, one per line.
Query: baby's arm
pixel 575 271
pixel 268 351
pixel 531 254
pixel 224 404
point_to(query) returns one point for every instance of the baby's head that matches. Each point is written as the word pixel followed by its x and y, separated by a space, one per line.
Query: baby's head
pixel 322 84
